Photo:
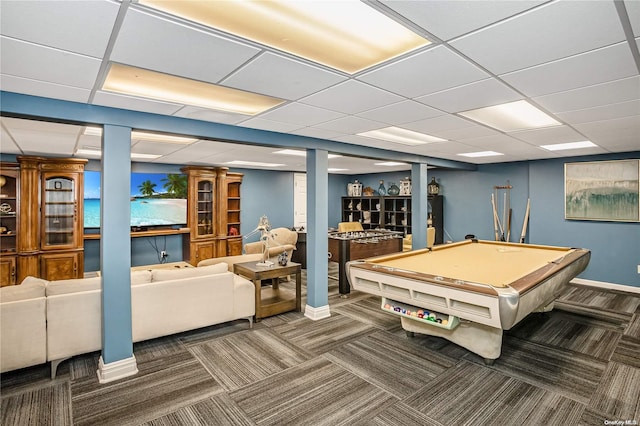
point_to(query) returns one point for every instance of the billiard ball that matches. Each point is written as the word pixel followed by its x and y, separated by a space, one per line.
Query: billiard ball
pixel 438 320
pixel 445 322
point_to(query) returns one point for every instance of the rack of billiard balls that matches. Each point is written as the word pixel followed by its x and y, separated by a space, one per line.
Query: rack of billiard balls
pixel 414 312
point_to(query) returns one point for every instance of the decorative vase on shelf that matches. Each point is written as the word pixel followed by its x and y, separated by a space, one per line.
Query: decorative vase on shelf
pixel 393 189
pixel 433 188
pixel 381 188
pixel 405 186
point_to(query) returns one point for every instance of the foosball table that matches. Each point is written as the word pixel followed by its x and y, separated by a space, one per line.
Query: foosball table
pixel 346 246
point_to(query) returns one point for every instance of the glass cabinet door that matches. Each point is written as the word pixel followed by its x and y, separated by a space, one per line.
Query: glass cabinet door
pixel 60 210
pixel 205 207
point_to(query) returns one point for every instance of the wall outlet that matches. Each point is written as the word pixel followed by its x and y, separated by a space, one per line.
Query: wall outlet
pixel 163 254
pixel 639 269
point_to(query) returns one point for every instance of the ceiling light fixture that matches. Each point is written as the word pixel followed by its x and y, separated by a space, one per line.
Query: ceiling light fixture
pixel 348 35
pixel 399 135
pixel 299 153
pixel 570 145
pixel 511 117
pixel 93 152
pixel 391 164
pixel 481 154
pixel 252 163
pixel 336 170
pixel 134 81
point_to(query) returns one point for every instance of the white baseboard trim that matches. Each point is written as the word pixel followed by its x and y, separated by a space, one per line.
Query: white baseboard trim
pixel 317 313
pixel 610 286
pixel 117 369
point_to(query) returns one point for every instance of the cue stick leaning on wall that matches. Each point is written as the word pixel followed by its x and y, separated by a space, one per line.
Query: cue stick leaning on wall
pixel 526 221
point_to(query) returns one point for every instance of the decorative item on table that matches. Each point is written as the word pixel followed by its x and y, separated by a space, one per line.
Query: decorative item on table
pixel 405 186
pixel 393 189
pixel 264 227
pixel 283 259
pixel 368 191
pixel 434 187
pixel 381 189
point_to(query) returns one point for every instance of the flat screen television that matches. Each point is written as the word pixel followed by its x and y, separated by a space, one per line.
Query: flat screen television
pixel 157 199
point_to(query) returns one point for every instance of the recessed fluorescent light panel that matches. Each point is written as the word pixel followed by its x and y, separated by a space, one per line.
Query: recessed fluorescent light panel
pixel 570 145
pixel 154 85
pixel 399 135
pixel 346 35
pixel 299 153
pixel 252 163
pixel 391 164
pixel 511 117
pixel 481 154
pixel 92 152
pixel 332 170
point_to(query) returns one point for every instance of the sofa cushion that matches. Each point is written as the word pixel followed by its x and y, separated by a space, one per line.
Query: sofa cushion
pixel 73 285
pixel 140 277
pixel 30 288
pixel 178 273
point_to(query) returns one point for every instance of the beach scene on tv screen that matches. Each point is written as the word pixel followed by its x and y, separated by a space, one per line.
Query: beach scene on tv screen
pixel 156 199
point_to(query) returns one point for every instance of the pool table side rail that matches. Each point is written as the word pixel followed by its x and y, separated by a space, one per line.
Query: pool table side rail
pixel 524 284
pixel 478 306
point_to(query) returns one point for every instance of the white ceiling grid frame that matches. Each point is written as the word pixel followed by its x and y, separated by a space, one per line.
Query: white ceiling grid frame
pixel 400 113
pixel 281 77
pixel 483 93
pixel 301 114
pixel 427 72
pixel 602 113
pixel 117 100
pixel 351 97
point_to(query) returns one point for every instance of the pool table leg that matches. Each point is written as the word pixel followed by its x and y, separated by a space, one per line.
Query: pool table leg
pixel 478 338
pixel 410 334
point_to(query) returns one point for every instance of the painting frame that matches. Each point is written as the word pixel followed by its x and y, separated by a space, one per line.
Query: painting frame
pixel 602 190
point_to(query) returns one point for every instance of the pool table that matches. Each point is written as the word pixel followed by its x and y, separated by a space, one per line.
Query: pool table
pixel 474 289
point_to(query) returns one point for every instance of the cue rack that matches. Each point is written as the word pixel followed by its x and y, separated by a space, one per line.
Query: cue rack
pixel 502 229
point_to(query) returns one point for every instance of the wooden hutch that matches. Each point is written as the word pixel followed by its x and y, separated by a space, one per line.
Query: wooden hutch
pixel 213 213
pixel 41 219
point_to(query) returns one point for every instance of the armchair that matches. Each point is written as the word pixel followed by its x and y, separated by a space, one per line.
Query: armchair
pixel 350 227
pixel 431 239
pixel 280 239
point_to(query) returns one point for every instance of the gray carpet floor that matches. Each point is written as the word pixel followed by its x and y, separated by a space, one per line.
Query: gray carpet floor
pixel 576 365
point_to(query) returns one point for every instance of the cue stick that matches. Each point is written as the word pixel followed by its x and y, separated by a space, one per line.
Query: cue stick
pixel 496 219
pixel 504 214
pixel 509 225
pixel 526 221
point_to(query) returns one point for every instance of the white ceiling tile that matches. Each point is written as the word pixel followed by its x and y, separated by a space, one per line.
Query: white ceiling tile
pixel 177 49
pixel 157 148
pixel 78 26
pixel 274 126
pixel 472 131
pixel 427 72
pixel 31 61
pixel 402 112
pixel 7 145
pixel 605 112
pixel 301 114
pixel 350 124
pixel 313 132
pixel 611 92
pixel 613 132
pixel 138 104
pixel 197 113
pixel 10 83
pixel 351 97
pixel 633 11
pixel 281 77
pixel 435 126
pixel 549 135
pixel 577 71
pixel 532 38
pixel 474 95
pixel 447 19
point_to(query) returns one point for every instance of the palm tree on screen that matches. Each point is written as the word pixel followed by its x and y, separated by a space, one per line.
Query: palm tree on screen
pixel 147 188
pixel 176 185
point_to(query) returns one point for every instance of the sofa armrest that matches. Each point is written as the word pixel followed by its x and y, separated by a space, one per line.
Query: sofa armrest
pixel 231 260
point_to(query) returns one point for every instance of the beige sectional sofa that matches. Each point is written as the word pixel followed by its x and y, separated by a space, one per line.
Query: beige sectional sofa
pixel 53 321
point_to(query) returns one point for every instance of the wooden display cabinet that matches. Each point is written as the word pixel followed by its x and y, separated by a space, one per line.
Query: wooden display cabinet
pixel 9 221
pixel 213 213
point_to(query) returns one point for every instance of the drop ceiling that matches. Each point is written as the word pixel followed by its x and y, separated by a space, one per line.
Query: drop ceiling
pixel 578 61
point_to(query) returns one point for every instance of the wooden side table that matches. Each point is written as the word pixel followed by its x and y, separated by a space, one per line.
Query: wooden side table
pixel 272 300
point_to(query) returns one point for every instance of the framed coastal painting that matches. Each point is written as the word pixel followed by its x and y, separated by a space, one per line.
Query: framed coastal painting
pixel 602 190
